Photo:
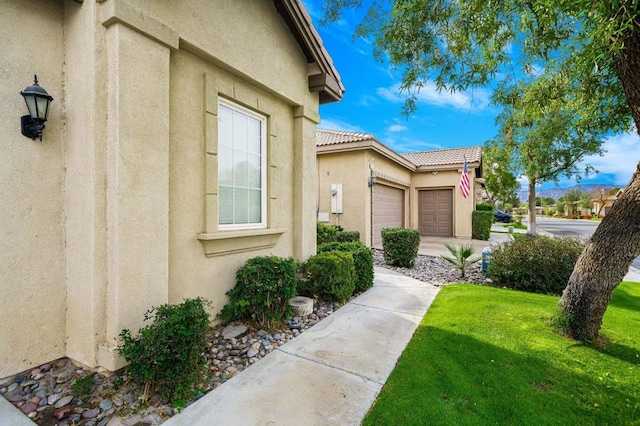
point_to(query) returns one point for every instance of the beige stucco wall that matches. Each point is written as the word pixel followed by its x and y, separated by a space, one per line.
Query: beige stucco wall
pixel 350 169
pixel 32 267
pixel 353 169
pixel 114 212
pixel 462 207
pixel 192 273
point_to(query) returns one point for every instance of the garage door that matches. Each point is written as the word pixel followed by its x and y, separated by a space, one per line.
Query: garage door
pixel 388 210
pixel 435 211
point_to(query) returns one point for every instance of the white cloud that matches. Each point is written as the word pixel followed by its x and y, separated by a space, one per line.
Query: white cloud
pixel 404 144
pixel 394 128
pixel 329 124
pixel 620 159
pixel 477 99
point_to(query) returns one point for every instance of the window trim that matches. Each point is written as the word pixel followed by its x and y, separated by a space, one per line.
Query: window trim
pixel 263 224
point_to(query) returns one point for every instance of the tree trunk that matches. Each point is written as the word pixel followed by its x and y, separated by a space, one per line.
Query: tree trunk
pixel 616 242
pixel 531 226
pixel 603 264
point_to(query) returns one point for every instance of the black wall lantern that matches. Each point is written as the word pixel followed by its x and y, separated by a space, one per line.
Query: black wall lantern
pixel 38 101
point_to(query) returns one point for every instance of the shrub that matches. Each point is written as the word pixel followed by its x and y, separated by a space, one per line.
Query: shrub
pixel 362 261
pixel 400 246
pixel 535 264
pixel 168 355
pixel 481 222
pixel 349 236
pixel 326 233
pixel 484 207
pixel 331 275
pixel 263 288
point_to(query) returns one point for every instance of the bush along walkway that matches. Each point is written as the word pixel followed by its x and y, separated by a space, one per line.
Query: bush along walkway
pixel 62 393
pixel 332 373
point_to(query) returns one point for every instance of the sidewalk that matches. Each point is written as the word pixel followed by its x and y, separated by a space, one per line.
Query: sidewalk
pixel 331 373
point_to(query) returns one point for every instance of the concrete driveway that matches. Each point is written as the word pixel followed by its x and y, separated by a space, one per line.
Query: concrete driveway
pixel 434 246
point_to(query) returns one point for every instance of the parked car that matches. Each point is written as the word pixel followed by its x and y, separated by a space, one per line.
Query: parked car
pixel 502 216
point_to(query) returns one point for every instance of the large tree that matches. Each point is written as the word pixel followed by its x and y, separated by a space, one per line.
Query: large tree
pixel 549 129
pixel 595 44
pixel 500 181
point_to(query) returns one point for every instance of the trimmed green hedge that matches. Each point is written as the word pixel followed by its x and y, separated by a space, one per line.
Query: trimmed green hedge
pixel 334 233
pixel 481 222
pixel 263 288
pixel 362 260
pixel 349 236
pixel 400 246
pixel 535 264
pixel 326 233
pixel 484 207
pixel 331 275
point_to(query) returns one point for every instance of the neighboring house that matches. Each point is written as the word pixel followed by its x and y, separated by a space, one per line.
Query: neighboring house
pixel 575 209
pixel 365 186
pixel 602 206
pixel 180 143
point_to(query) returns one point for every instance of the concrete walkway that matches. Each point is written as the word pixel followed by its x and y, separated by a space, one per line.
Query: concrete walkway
pixel 331 373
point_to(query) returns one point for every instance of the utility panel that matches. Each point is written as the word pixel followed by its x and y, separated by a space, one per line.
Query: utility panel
pixel 336 198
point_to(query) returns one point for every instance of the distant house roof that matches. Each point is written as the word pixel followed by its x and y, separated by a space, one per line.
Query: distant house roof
pixel 334 137
pixel 337 140
pixel 323 76
pixel 441 157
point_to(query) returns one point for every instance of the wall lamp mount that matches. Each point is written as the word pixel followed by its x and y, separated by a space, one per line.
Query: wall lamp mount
pixel 37 100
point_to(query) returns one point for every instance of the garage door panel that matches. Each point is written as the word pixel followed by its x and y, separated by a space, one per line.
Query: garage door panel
pixel 388 210
pixel 435 212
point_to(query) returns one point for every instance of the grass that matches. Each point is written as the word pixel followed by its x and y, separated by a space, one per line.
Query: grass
pixel 485 356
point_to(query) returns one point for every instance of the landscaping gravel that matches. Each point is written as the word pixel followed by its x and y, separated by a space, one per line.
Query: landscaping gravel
pixel 45 394
pixel 435 270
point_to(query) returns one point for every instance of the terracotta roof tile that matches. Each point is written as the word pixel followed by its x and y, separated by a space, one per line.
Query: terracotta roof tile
pixel 445 156
pixel 440 157
pixel 333 137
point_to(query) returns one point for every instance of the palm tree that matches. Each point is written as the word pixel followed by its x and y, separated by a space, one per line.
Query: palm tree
pixel 461 255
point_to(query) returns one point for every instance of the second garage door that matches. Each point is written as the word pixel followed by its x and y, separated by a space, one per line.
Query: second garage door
pixel 388 210
pixel 435 211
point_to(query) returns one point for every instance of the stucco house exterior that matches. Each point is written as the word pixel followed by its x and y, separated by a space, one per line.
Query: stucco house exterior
pixel 365 186
pixel 601 206
pixel 180 143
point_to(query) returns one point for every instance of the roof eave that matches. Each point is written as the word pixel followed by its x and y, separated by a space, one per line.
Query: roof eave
pixel 451 166
pixel 371 144
pixel 327 82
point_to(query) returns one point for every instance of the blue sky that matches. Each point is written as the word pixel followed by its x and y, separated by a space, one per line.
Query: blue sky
pixel 373 102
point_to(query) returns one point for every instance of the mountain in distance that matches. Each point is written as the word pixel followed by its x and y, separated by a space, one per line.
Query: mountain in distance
pixel 556 193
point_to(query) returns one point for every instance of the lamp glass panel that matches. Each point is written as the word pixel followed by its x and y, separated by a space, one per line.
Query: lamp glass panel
pixel 43 106
pixel 31 105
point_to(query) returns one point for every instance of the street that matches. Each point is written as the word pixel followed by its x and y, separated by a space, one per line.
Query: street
pixel 573 228
pixel 569 227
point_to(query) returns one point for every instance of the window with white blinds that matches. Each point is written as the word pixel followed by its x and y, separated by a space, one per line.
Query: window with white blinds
pixel 241 167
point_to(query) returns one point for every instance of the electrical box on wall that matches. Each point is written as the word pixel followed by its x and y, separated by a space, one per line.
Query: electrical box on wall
pixel 336 198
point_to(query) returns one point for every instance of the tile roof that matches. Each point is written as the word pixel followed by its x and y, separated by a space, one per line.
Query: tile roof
pixel 442 157
pixel 333 137
pixel 439 157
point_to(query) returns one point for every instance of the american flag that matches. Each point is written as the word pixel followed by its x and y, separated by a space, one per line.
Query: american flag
pixel 465 186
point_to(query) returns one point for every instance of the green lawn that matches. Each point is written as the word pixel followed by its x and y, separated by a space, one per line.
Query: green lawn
pixel 485 356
